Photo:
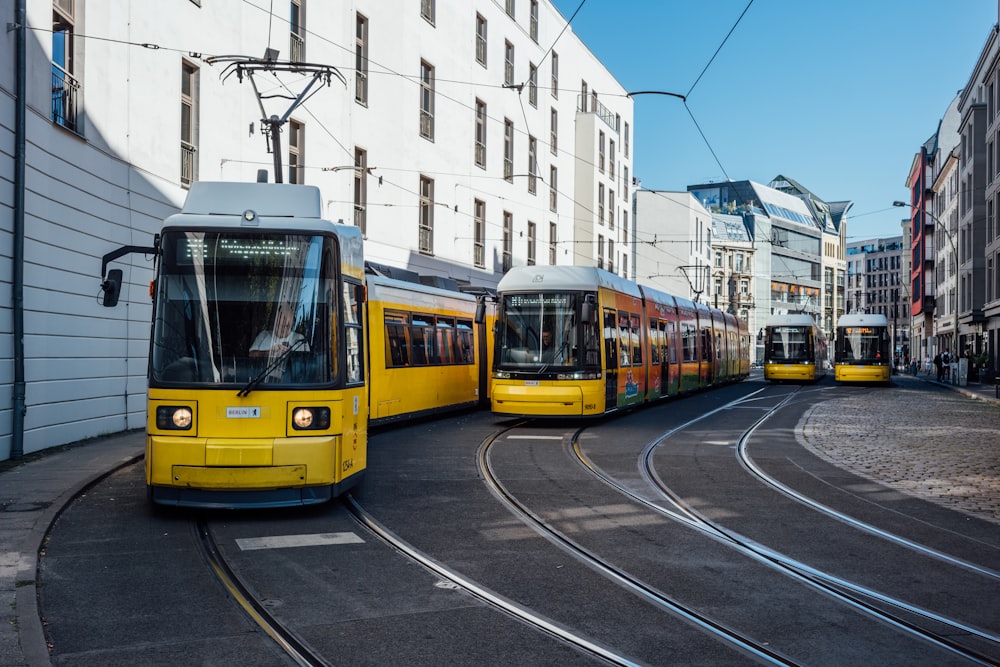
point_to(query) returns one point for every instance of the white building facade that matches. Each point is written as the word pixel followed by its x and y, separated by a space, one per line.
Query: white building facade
pixel 673 244
pixel 463 136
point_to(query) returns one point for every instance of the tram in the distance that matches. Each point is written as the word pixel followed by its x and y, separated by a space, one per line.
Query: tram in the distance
pixel 580 341
pixel 862 349
pixel 795 349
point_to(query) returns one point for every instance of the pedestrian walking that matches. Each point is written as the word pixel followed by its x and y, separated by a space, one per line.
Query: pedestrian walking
pixel 939 364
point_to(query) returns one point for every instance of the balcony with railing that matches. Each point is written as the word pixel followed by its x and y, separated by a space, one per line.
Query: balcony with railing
pixel 598 109
pixel 187 163
pixel 296 47
pixel 65 93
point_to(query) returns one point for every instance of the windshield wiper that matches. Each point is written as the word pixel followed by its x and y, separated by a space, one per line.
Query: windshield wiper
pixel 245 391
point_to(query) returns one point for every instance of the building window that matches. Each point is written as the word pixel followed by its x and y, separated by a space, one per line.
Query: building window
pixel 625 183
pixel 532 164
pixel 600 203
pixel 426 100
pixel 600 151
pixel 533 21
pixel 361 60
pixel 427 10
pixel 611 159
pixel 361 189
pixel 553 242
pixel 510 8
pixel 508 64
pixel 611 255
pixel 65 86
pixel 554 131
pixel 611 209
pixel 296 148
pixel 508 149
pixel 531 243
pixel 479 233
pixel 481 40
pixel 480 150
pixel 426 215
pixel 627 138
pixel 554 63
pixel 600 251
pixel 553 188
pixel 297 33
pixel 189 123
pixel 533 85
pixel 508 236
pixel 583 96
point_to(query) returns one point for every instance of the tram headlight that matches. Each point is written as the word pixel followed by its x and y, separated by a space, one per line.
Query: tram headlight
pixel 174 417
pixel 311 418
pixel 501 375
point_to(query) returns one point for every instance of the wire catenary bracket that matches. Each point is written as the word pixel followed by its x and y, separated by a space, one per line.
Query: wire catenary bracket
pixel 246 67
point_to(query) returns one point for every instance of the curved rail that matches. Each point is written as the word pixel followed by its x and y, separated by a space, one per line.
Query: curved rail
pixel 637 586
pixel 286 640
pixel 846 591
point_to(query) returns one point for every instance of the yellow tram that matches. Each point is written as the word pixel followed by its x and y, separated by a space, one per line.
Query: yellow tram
pixel 861 350
pixel 581 341
pixel 795 349
pixel 257 393
pixel 426 350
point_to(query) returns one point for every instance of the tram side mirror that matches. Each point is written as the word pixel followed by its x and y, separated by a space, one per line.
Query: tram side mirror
pixel 587 310
pixel 112 287
pixel 480 311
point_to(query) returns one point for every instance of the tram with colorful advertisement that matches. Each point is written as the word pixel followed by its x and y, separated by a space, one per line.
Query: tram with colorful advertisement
pixel 795 349
pixel 862 349
pixel 257 393
pixel 581 341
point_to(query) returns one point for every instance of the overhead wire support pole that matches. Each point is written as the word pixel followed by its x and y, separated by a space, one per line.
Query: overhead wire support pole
pixel 244 66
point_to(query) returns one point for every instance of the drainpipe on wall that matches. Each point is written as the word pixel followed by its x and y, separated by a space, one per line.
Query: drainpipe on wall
pixel 17 302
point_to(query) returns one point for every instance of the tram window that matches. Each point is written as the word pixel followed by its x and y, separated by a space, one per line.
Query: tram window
pixel 654 343
pixel 418 340
pixel 624 337
pixel 463 343
pixel 689 342
pixel 671 350
pixel 611 337
pixel 353 296
pixel 635 338
pixel 445 338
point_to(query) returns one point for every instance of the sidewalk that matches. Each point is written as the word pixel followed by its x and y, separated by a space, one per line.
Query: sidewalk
pixel 986 391
pixel 33 492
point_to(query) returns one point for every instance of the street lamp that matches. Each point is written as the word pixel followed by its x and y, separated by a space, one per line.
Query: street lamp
pixel 954 252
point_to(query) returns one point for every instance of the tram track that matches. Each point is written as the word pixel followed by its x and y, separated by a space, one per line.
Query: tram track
pixel 859 597
pixel 909 619
pixel 282 636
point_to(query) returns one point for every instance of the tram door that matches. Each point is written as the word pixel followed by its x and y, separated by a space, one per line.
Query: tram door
pixel 610 358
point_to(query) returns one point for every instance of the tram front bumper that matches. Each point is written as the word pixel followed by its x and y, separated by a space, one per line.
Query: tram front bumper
pixel 538 400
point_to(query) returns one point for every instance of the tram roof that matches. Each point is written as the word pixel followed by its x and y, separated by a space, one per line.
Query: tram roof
pixel 791 319
pixel 569 278
pixel 277 200
pixel 863 320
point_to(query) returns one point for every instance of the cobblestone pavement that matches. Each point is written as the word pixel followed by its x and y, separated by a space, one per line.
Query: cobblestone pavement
pixel 915 437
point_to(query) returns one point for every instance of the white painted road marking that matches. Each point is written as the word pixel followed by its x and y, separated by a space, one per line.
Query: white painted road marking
pixel 286 541
pixel 534 437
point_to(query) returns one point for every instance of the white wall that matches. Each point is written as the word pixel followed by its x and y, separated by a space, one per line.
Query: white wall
pixel 112 184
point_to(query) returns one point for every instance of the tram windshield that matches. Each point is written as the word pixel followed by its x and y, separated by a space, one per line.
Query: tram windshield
pixel 862 345
pixel 247 309
pixel 542 330
pixel 788 345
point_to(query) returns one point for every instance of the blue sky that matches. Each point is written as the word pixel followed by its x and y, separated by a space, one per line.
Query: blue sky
pixel 836 95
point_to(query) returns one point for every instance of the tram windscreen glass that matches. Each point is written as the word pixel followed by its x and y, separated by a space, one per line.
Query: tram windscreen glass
pixel 234 307
pixel 542 330
pixel 788 345
pixel 862 345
